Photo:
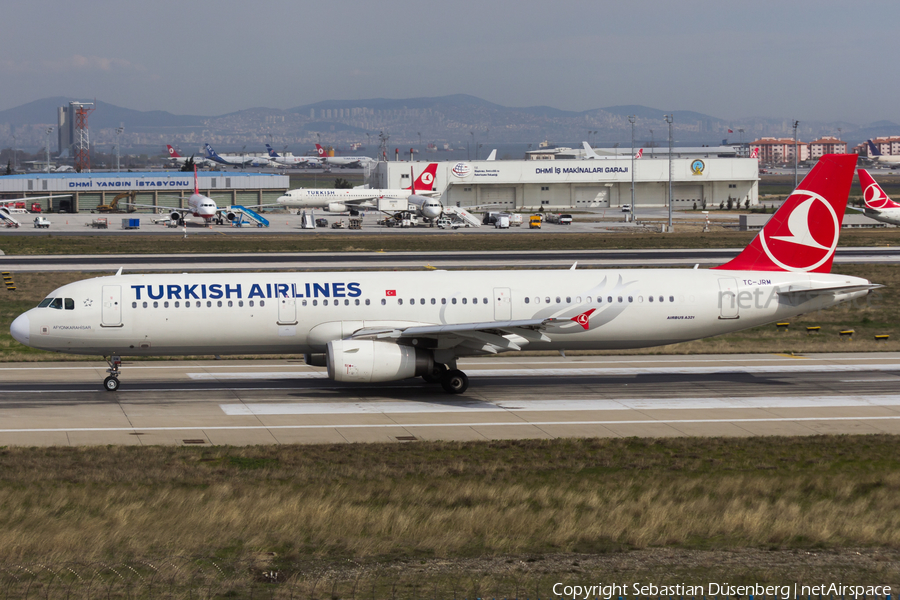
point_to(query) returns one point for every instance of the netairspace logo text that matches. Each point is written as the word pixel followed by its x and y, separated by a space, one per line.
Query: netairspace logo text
pixel 608 591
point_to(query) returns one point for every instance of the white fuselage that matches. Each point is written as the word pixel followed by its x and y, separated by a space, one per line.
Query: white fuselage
pixel 290 312
pixel 323 197
pixel 885 215
pixel 202 206
pixel 343 161
pixel 294 161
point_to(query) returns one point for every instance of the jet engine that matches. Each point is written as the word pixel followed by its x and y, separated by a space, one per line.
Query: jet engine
pixel 175 216
pixel 369 361
pixel 336 207
pixel 231 216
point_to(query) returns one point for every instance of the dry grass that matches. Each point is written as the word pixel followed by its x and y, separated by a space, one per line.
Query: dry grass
pixel 451 500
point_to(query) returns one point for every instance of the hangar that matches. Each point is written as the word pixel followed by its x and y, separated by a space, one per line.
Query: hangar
pixel 166 189
pixel 584 184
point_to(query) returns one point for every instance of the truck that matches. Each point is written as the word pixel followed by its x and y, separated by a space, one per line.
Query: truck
pixel 515 220
pixel 18 207
pixel 534 222
pixel 502 222
pixel 565 219
pixel 41 223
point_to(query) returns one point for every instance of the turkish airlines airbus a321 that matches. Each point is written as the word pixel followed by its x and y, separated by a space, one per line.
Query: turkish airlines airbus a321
pixel 386 326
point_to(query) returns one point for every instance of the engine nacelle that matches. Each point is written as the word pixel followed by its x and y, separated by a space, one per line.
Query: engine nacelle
pixel 231 216
pixel 336 207
pixel 175 216
pixel 370 361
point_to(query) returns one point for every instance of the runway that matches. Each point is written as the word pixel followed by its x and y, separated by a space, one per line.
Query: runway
pixel 322 261
pixel 285 401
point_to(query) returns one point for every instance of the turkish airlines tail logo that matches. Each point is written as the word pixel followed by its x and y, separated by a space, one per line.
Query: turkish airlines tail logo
pixel 584 318
pixel 172 152
pixel 755 153
pixel 873 195
pixel 320 150
pixel 425 181
pixel 803 235
pixel 640 153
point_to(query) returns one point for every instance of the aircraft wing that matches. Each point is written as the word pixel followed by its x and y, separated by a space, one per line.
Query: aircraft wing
pixel 164 209
pixel 793 291
pixel 488 337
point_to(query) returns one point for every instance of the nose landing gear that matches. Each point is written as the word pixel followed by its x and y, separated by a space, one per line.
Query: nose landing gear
pixel 111 383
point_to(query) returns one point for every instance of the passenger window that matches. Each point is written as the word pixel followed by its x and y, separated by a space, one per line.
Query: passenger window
pixel 527 300
pixel 155 304
pixel 70 304
pixel 46 302
pixel 315 303
pixel 630 299
pixel 367 301
pixel 453 300
pixel 231 304
pixel 640 298
pixel 187 304
pixel 198 304
pixel 145 305
pixel 383 301
pixel 303 303
pixel 484 300
pixel 609 299
pixel 166 304
pixel 661 299
pixel 219 304
pixel 240 303
pixel 537 299
pixel 250 304
pixel 465 300
pixel 177 304
pixel 422 301
pixel 347 302
pixel 568 300
pixel 324 302
pixel 209 304
pixel 57 303
pixel 547 300
pixel 474 300
pixel 262 302
pixel 443 301
pixel 134 305
pixel 650 298
pixel 620 298
pixel 672 298
pixel 356 302
pixel 588 299
pixel 433 301
pixel 558 300
pixel 400 301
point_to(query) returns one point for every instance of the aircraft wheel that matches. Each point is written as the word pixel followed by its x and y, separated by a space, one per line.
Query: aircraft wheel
pixel 436 375
pixel 111 384
pixel 455 382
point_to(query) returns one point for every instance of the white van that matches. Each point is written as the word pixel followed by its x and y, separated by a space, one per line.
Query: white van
pixel 502 222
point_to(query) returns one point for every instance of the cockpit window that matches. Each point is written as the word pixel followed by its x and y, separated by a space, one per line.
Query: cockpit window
pixel 57 303
pixel 45 302
pixel 70 304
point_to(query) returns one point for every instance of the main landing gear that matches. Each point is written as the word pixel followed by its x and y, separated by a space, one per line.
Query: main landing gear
pixel 453 381
pixel 111 383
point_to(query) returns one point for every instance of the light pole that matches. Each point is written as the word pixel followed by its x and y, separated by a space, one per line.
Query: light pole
pixel 652 144
pixel 47 146
pixel 669 120
pixel 632 119
pixel 741 131
pixel 15 154
pixel 796 123
pixel 119 131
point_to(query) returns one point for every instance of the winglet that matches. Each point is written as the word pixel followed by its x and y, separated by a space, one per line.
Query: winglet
pixel 119 272
pixel 575 264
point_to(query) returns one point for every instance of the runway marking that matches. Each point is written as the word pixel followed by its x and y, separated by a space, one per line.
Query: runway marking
pixel 472 425
pixel 577 371
pixel 464 405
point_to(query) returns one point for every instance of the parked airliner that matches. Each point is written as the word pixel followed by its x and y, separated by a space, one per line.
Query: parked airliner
pixel 342 161
pixel 198 206
pixel 882 159
pixel 878 205
pixel 335 200
pixel 386 326
pixel 235 160
pixel 290 161
pixel 178 159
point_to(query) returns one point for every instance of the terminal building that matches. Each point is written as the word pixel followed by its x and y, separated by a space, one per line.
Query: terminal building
pixel 560 184
pixel 83 192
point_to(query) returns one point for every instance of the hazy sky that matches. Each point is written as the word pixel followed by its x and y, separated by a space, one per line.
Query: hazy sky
pixel 803 59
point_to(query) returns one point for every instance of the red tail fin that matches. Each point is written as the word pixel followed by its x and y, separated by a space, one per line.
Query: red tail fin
pixel 320 151
pixel 803 234
pixel 425 181
pixel 172 151
pixel 873 195
pixel 196 183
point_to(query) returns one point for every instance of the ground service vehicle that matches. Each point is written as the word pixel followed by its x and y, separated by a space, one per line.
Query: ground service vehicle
pixel 534 222
pixel 41 223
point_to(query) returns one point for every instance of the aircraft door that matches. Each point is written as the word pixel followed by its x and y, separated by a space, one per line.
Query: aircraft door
pixel 728 303
pixel 502 304
pixel 111 311
pixel 287 311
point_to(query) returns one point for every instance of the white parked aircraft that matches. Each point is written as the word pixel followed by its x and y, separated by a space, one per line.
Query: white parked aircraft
pixel 291 161
pixel 198 206
pixel 178 159
pixel 589 153
pixel 878 205
pixel 385 326
pixel 875 155
pixel 342 161
pixel 335 200
pixel 235 160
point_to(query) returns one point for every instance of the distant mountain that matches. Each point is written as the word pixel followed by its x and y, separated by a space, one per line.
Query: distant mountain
pixel 458 119
pixel 44 112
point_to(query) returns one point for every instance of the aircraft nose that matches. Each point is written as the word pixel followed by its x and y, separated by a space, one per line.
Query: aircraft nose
pixel 21 329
